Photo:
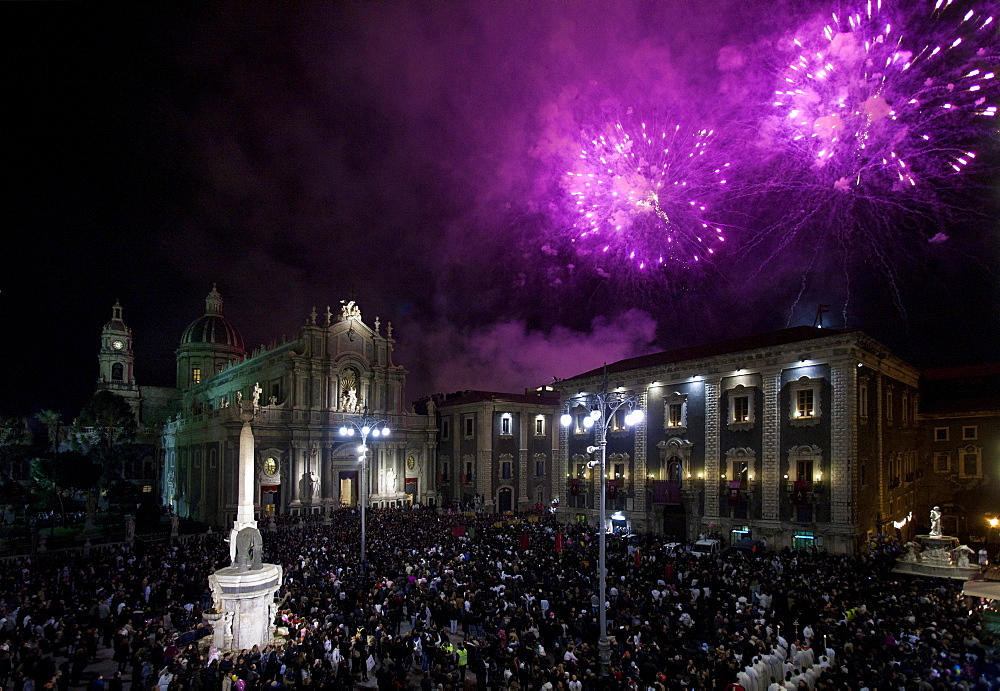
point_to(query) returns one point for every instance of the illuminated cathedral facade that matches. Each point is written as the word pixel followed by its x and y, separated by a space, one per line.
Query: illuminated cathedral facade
pixel 303 392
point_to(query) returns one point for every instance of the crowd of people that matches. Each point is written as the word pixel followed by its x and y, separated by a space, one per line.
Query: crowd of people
pixel 480 601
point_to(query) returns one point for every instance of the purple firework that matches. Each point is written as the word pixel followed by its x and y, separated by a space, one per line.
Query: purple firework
pixel 640 196
pixel 880 111
pixel 886 98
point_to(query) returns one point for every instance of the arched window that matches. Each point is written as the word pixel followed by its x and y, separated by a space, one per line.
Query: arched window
pixel 117 372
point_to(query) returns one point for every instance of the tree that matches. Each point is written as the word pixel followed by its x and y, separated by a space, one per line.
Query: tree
pixel 52 421
pixel 14 446
pixel 106 431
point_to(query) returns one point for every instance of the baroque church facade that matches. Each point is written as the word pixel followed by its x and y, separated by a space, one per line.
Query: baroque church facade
pixel 303 392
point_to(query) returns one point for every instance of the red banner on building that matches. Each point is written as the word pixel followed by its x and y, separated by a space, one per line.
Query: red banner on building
pixel 559 542
pixel 800 495
pixel 735 495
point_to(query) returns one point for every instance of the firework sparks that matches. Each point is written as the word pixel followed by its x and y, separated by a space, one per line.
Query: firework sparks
pixel 884 100
pixel 878 115
pixel 641 196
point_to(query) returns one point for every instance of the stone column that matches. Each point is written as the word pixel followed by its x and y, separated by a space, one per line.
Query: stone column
pixel 772 482
pixel 523 502
pixel 639 475
pixel 484 461
pixel 331 492
pixel 843 444
pixel 712 478
pixel 297 468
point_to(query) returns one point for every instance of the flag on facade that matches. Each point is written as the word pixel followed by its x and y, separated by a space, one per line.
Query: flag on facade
pixel 800 493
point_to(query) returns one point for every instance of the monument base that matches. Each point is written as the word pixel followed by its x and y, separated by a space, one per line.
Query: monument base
pixel 961 573
pixel 935 561
pixel 243 604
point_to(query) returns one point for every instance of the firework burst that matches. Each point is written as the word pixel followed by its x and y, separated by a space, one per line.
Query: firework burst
pixel 640 196
pixel 879 113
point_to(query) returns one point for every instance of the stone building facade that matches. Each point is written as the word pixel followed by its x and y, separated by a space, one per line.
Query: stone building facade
pixel 338 368
pixel 803 437
pixel 960 457
pixel 496 450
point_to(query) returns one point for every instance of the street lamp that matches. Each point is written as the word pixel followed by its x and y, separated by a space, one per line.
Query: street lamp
pixel 604 406
pixel 365 425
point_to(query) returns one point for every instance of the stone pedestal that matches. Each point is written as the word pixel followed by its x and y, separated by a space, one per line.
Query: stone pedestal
pixel 243 601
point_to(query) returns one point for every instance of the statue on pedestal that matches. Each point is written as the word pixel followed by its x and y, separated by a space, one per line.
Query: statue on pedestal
pixel 249 546
pixel 936 521
pixel 960 555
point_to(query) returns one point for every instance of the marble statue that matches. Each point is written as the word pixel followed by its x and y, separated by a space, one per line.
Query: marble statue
pixel 239 399
pixel 249 545
pixel 349 309
pixel 936 521
pixel 961 555
pixel 130 529
pixel 912 552
pixel 315 487
pixel 272 400
pixel 390 480
pixel 256 395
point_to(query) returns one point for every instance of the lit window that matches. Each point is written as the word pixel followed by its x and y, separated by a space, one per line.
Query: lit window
pixel 540 426
pixel 804 403
pixel 505 424
pixel 741 409
pixel 675 412
pixel 940 434
pixel 970 432
pixel 805 406
pixel 196 375
pixel 146 489
pixel 674 415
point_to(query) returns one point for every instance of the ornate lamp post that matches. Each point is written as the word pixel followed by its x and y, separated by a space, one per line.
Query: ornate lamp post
pixel 375 427
pixel 604 406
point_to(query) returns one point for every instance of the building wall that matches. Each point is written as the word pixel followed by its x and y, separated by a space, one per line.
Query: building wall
pixel 309 389
pixel 496 466
pixel 800 480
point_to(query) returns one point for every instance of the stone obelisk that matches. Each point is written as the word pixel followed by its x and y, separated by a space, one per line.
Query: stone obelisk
pixel 243 607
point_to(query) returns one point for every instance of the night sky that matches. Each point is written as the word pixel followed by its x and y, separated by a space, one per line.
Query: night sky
pixel 415 154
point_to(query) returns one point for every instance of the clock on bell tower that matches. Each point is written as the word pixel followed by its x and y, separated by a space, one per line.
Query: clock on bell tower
pixel 117 360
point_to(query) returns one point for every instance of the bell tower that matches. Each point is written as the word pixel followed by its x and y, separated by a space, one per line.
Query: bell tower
pixel 117 360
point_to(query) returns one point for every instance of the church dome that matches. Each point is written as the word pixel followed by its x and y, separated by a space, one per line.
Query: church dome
pixel 213 328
